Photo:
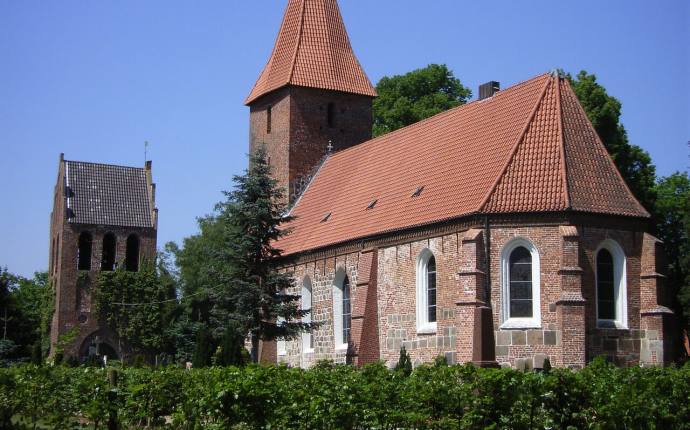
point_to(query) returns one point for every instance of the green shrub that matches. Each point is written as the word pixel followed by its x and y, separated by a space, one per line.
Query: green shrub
pixel 330 396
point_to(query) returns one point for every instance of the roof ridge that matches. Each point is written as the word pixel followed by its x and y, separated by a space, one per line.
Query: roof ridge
pixel 438 115
pixel 608 155
pixel 298 44
pixel 514 149
pixel 104 164
pixel 561 144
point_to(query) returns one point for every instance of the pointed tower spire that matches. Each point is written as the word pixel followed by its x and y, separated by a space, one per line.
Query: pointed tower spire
pixel 312 50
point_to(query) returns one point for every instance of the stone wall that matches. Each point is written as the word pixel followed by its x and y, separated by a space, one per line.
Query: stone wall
pixel 567 335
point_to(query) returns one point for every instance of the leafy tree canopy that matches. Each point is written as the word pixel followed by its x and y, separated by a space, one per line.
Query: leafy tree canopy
pixel 26 308
pixel 673 228
pixel 135 306
pixel 405 99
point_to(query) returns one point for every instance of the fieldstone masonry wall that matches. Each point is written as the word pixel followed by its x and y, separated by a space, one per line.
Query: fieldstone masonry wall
pixel 568 334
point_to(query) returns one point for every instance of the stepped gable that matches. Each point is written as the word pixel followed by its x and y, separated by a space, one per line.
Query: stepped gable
pixel 529 148
pixel 105 194
pixel 312 50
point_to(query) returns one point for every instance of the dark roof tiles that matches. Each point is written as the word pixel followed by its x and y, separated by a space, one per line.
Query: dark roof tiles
pixel 104 194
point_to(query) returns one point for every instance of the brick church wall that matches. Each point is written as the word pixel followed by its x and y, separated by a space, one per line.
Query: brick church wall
pixel 568 335
pixel 73 297
pixel 300 131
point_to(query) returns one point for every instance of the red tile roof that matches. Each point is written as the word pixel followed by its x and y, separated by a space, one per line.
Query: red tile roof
pixel 529 148
pixel 312 50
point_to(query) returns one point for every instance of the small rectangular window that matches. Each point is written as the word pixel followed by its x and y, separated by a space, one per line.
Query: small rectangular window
pixel 268 120
pixel 330 114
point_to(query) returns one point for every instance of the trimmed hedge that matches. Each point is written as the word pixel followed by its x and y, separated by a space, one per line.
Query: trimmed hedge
pixel 342 397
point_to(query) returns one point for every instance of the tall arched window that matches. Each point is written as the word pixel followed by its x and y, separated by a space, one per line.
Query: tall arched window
pixel 341 309
pixel 347 311
pixel 84 251
pixel 307 337
pixel 611 289
pixel 520 285
pixel 426 292
pixel 108 254
pixel 132 253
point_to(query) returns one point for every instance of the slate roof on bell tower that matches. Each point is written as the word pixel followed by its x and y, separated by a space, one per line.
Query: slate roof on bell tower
pixel 312 50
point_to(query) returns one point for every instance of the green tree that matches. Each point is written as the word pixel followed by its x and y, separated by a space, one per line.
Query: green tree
pixel 405 99
pixel 247 287
pixel 203 348
pixel 604 111
pixel 673 228
pixel 25 312
pixel 135 306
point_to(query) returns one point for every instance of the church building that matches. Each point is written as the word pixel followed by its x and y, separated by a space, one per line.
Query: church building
pixel 498 232
pixel 103 217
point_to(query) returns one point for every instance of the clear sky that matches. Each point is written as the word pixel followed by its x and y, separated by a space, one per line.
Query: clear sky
pixel 95 79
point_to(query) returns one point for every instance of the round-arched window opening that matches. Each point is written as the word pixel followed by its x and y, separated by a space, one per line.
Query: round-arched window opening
pixel 132 255
pixel 84 251
pixel 108 256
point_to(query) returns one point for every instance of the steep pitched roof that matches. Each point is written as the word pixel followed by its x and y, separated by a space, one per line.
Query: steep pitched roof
pixel 105 194
pixel 529 148
pixel 312 50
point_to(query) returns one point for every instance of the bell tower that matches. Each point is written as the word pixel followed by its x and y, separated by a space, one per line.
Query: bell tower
pixel 312 93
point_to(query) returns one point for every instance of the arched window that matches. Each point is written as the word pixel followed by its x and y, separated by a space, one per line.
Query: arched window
pixel 426 292
pixel 341 310
pixel 347 311
pixel 330 114
pixel 84 251
pixel 520 285
pixel 108 254
pixel 307 337
pixel 132 253
pixel 281 344
pixel 611 288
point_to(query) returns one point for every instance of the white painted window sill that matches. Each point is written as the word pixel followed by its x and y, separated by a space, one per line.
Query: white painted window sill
pixel 281 353
pixel 429 328
pixel 308 351
pixel 521 323
pixel 342 347
pixel 611 324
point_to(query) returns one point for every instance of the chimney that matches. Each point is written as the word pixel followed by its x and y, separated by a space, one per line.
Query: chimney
pixel 488 89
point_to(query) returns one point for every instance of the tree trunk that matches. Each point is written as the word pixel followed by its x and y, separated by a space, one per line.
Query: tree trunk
pixel 255 348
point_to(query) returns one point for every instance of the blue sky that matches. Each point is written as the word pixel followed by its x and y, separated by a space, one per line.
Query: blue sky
pixel 96 79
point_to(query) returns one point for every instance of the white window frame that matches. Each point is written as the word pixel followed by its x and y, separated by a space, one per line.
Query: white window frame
pixel 281 344
pixel 338 309
pixel 422 287
pixel 620 285
pixel 535 320
pixel 307 304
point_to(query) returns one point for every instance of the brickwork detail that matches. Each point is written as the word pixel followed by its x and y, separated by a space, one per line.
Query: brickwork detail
pixel 73 287
pixel 300 129
pixel 568 335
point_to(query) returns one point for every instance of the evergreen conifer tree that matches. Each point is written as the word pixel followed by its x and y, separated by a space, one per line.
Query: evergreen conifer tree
pixel 204 349
pixel 247 287
pixel 404 364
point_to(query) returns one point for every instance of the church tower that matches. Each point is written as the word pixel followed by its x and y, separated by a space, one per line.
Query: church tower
pixel 312 94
